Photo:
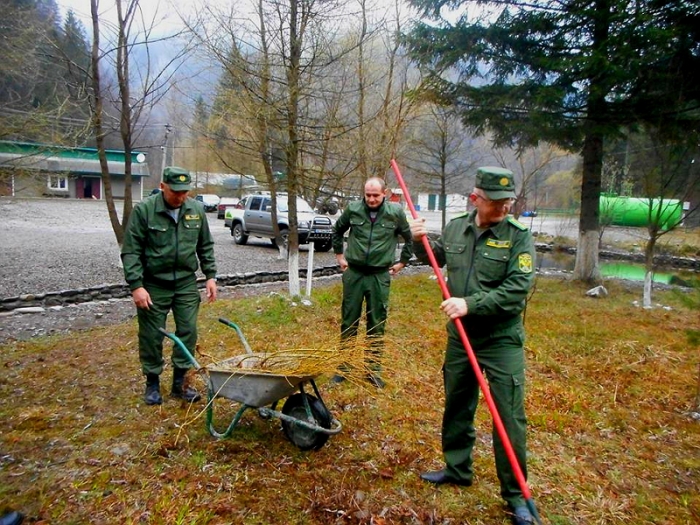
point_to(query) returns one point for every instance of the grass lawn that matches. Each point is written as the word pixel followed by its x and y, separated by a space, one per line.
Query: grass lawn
pixel 610 392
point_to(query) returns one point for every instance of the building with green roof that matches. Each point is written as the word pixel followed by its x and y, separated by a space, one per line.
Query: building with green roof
pixel 43 170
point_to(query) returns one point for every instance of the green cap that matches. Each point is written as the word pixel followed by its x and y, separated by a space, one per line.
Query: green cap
pixel 497 183
pixel 177 178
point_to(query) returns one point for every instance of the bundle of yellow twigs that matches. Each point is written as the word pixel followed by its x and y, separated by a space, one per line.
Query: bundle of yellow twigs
pixel 351 361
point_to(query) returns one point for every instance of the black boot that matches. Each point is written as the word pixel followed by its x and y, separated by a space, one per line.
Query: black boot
pixel 152 396
pixel 182 391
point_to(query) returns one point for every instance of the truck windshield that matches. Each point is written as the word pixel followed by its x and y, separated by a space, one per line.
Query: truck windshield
pixel 302 205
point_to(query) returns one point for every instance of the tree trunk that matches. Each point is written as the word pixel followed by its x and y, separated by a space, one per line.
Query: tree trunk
pixel 294 287
pixel 293 70
pixel 587 258
pixel 97 124
pixel 125 123
pixel 648 279
pixel 586 268
pixel 649 267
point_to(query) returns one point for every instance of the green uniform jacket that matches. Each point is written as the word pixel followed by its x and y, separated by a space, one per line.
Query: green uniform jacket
pixel 493 274
pixel 372 244
pixel 158 248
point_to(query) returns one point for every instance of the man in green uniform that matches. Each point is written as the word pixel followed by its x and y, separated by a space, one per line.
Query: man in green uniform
pixel 166 240
pixel 368 263
pixel 489 258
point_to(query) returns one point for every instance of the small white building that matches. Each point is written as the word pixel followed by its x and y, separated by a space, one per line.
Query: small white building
pixel 453 202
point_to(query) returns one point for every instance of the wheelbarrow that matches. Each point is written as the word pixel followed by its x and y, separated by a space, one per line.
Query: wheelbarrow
pixel 305 419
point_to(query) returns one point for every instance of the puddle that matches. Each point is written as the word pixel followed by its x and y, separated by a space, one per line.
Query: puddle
pixel 614 269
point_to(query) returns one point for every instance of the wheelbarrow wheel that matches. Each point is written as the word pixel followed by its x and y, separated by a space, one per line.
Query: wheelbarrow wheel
pixel 302 437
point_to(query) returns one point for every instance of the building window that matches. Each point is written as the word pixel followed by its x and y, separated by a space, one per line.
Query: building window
pixel 58 183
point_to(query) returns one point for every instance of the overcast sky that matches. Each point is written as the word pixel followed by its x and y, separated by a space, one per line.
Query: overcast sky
pixel 168 12
pixel 160 10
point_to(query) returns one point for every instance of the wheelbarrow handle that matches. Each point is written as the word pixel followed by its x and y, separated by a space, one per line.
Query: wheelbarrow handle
pixel 181 346
pixel 233 325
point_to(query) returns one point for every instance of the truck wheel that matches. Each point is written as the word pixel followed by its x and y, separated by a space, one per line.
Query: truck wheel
pixel 284 234
pixel 237 232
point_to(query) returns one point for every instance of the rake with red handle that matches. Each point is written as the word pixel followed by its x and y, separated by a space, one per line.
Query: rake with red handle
pixel 472 359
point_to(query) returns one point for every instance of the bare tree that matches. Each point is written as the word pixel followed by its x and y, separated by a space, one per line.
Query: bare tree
pixel 140 86
pixel 531 167
pixel 290 86
pixel 667 175
pixel 441 153
pixel 395 108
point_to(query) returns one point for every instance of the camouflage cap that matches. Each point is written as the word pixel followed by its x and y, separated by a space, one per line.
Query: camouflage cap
pixel 497 183
pixel 177 178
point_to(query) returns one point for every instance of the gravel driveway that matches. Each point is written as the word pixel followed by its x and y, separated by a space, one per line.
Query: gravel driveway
pixel 50 245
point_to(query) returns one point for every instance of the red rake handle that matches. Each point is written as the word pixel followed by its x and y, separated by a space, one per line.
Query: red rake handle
pixel 468 347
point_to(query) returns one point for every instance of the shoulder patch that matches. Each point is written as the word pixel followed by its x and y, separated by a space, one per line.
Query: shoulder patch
pixel 525 263
pixel 517 224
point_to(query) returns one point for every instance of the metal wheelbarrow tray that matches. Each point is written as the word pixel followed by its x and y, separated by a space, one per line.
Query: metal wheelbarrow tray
pixel 305 418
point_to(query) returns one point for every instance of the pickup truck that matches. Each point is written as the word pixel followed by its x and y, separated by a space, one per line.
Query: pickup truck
pixel 252 217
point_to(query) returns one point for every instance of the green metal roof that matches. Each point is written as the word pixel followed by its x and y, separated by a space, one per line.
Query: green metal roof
pixel 65 159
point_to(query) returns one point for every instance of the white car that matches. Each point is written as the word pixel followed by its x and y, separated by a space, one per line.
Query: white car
pixel 209 200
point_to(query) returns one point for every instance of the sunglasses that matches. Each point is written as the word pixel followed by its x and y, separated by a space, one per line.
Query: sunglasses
pixel 499 202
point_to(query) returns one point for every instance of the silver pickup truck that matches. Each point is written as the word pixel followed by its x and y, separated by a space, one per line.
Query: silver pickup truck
pixel 252 217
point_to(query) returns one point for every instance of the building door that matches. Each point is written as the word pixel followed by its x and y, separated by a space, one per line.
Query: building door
pixel 87 188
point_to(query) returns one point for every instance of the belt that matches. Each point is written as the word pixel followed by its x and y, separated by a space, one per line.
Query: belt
pixel 484 326
pixel 168 283
pixel 368 270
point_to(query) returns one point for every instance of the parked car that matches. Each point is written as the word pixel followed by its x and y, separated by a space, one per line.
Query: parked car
pixel 253 217
pixel 210 201
pixel 529 213
pixel 228 215
pixel 224 202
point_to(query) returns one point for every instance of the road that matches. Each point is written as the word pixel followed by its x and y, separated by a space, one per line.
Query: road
pixel 51 245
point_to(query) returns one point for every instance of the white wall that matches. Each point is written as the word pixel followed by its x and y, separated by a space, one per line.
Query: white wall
pixel 455 202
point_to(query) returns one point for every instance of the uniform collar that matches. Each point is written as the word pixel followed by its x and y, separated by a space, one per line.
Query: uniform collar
pixel 497 230
pixel 162 208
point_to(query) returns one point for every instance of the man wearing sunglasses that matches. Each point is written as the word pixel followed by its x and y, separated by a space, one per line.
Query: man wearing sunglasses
pixel 489 258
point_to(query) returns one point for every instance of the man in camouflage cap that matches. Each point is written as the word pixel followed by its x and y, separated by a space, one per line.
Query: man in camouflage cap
pixel 166 241
pixel 489 258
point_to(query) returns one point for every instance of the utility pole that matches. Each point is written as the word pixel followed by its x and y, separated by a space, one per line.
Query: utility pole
pixel 164 150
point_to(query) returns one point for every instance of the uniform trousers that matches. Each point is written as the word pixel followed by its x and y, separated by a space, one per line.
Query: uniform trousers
pixel 371 289
pixel 183 298
pixel 501 357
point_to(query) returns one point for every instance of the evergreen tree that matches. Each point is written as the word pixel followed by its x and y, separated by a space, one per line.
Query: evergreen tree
pixel 42 73
pixel 569 72
pixel 73 65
